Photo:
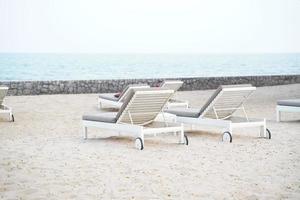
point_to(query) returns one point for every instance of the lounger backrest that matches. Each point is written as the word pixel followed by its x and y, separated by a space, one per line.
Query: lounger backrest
pixel 3 91
pixel 226 100
pixel 171 85
pixel 142 106
pixel 126 91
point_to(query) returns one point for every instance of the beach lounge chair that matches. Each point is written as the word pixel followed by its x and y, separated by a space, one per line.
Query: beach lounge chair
pixel 115 100
pixel 3 108
pixel 219 109
pixel 288 105
pixel 174 85
pixel 136 117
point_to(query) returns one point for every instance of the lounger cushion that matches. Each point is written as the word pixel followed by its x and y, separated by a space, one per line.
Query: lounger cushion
pixel 117 94
pixel 109 96
pixel 109 117
pixel 176 101
pixel 289 102
pixel 184 112
pixel 235 86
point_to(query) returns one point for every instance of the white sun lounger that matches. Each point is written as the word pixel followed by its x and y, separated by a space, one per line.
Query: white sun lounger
pixel 110 100
pixel 218 111
pixel 3 108
pixel 136 117
pixel 174 85
pixel 288 105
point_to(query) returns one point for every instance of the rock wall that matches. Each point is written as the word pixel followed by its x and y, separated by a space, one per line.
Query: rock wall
pixel 103 86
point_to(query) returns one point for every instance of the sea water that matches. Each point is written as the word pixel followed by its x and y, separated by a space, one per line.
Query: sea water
pixel 24 66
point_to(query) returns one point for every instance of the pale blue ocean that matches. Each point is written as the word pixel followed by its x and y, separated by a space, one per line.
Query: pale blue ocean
pixel 123 66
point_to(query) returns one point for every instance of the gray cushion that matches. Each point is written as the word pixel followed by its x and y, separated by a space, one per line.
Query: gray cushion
pixel 289 102
pixel 109 117
pixel 235 86
pixel 109 96
pixel 184 112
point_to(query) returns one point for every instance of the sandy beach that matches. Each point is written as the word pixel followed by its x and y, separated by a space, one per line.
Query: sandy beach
pixel 43 154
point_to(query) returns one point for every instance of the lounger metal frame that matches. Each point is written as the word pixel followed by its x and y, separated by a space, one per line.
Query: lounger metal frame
pixel 280 109
pixel 140 112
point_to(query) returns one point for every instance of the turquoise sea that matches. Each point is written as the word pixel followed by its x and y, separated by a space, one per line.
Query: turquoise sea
pixel 19 66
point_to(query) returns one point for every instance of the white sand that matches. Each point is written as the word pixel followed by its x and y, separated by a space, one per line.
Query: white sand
pixel 43 155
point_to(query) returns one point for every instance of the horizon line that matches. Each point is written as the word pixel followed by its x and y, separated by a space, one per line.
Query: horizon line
pixel 110 53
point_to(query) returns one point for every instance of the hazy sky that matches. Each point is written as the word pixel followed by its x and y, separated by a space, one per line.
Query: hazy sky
pixel 150 26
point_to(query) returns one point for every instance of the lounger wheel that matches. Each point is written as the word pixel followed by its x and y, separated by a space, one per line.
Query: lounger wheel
pixel 227 137
pixel 186 140
pixel 269 135
pixel 139 143
pixel 12 118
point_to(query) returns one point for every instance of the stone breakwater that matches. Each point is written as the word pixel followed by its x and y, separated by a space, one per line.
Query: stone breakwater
pixel 104 86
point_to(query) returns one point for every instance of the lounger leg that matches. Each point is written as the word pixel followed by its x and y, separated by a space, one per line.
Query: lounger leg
pixel 181 140
pixel 10 116
pixel 263 130
pixel 85 132
pixel 278 115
